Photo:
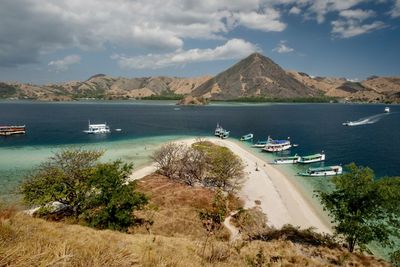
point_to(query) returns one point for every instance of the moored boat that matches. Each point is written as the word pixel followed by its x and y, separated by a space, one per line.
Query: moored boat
pixel 287 160
pixel 387 109
pixel 323 171
pixel 246 137
pixel 11 130
pixel 277 145
pixel 224 134
pixel 312 158
pixel 97 128
pixel 218 130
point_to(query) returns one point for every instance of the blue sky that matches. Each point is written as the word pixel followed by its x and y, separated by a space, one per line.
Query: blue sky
pixel 54 41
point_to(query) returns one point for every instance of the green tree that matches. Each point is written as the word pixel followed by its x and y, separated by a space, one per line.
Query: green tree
pixel 98 193
pixel 363 209
pixel 64 178
pixel 113 198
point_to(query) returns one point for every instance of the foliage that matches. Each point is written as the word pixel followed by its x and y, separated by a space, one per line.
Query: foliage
pixel 165 95
pixel 363 209
pixel 395 258
pixel 7 90
pixel 114 199
pixel 204 162
pixel 265 99
pixel 86 189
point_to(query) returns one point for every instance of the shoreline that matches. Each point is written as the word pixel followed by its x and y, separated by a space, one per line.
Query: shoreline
pixel 278 197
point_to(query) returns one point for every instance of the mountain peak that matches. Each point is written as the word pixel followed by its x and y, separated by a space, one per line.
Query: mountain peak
pixel 254 76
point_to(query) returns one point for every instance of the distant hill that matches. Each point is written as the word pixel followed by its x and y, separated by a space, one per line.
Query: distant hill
pixel 253 77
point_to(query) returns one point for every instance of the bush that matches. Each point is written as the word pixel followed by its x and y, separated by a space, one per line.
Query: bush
pixel 74 184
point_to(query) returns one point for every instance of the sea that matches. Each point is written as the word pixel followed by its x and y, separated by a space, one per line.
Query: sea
pixel 146 125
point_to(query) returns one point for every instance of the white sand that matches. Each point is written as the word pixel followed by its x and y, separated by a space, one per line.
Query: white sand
pixel 280 200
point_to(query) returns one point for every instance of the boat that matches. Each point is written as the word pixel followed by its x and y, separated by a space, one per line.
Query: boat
pixel 11 130
pixel 224 134
pixel 260 144
pixel 287 160
pixel 97 128
pixel 323 171
pixel 218 130
pixel 246 137
pixel 312 158
pixel 356 123
pixel 387 109
pixel 118 129
pixel 277 145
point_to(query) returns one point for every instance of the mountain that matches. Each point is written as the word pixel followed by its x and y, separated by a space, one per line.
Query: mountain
pixel 373 89
pixel 101 86
pixel 254 76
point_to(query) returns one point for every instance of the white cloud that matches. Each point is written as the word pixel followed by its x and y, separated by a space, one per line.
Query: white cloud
pixel 351 28
pixel 64 64
pixel 295 10
pixel 266 21
pixel 395 12
pixel 232 49
pixel 283 48
pixel 358 14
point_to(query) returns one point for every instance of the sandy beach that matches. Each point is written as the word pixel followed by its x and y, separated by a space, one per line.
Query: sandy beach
pixel 278 198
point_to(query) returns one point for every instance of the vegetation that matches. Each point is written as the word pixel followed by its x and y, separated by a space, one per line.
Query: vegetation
pixel 97 193
pixel 364 209
pixel 204 163
pixel 264 99
pixel 7 90
pixel 165 95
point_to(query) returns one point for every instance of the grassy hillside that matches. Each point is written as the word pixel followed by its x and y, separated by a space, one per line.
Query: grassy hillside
pixel 176 239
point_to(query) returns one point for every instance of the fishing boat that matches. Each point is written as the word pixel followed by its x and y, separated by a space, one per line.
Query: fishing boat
pixel 387 109
pixel 312 158
pixel 287 160
pixel 323 171
pixel 260 144
pixel 277 145
pixel 11 130
pixel 246 137
pixel 97 128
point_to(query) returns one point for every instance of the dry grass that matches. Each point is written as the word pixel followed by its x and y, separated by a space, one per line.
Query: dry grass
pixel 26 241
pixel 175 208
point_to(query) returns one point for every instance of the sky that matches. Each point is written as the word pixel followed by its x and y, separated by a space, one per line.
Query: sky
pixel 50 41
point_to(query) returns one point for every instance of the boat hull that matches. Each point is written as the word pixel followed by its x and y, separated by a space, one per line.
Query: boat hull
pixel 273 149
pixel 316 159
pixel 286 161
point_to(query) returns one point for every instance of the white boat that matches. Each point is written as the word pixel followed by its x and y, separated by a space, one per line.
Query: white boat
pixel 387 109
pixel 118 129
pixel 218 130
pixel 246 137
pixel 323 171
pixel 224 134
pixel 260 144
pixel 287 160
pixel 277 145
pixel 97 128
pixel 312 158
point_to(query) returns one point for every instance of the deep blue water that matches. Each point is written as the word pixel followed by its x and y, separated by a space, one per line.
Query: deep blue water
pixel 314 127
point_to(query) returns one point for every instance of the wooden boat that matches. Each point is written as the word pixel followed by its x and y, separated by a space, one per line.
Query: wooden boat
pixel 97 128
pixel 277 145
pixel 312 158
pixel 224 134
pixel 11 130
pixel 246 137
pixel 323 171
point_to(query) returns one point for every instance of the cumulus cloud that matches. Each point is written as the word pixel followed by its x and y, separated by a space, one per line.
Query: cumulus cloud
pixel 351 28
pixel 283 48
pixel 232 49
pixel 295 10
pixel 64 64
pixel 29 28
pixel 358 14
pixel 395 12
